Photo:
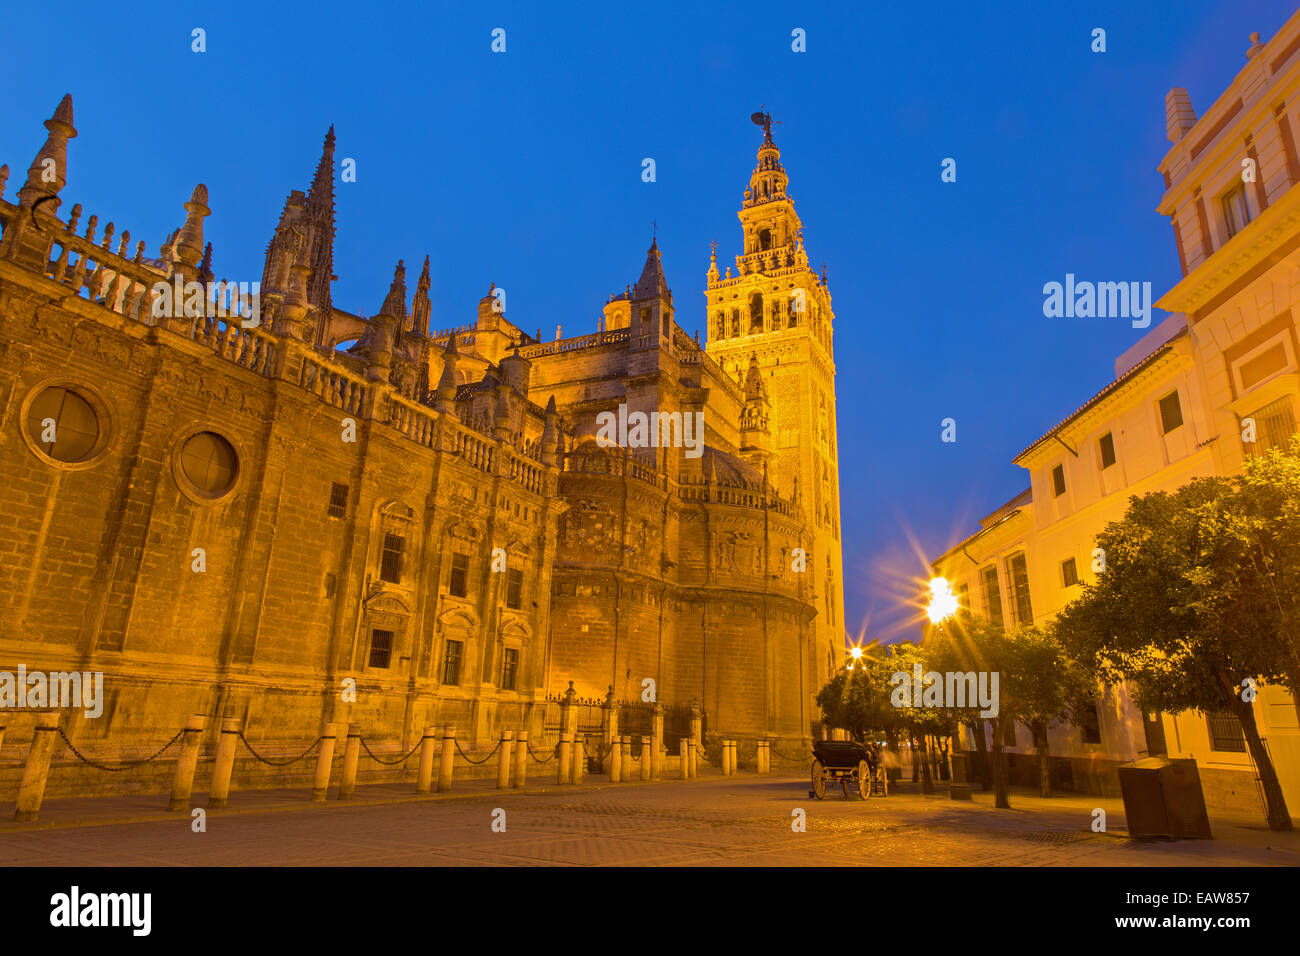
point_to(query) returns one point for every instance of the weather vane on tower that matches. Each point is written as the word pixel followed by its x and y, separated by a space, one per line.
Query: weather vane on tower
pixel 764 120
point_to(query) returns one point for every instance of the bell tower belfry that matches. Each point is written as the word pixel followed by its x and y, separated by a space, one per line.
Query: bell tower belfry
pixel 775 311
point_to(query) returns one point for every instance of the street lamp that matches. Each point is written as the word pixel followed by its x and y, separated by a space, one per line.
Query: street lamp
pixel 943 602
pixel 943 605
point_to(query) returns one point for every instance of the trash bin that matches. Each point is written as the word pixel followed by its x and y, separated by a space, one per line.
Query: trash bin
pixel 1163 798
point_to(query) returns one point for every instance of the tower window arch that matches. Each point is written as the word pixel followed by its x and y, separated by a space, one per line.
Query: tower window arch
pixel 756 313
pixel 764 239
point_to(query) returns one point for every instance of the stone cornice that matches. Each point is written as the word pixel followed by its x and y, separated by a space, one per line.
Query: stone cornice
pixel 1251 247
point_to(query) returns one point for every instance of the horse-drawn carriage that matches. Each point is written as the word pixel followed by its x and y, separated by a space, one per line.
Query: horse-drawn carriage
pixel 858 768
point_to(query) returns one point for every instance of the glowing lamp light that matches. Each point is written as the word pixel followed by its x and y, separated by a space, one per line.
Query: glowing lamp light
pixel 943 603
pixel 855 653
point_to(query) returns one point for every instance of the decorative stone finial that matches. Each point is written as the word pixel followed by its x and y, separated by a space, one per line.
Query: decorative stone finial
pixel 189 244
pixel 48 173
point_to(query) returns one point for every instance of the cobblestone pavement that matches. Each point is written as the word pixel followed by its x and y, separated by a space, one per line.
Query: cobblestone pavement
pixel 743 821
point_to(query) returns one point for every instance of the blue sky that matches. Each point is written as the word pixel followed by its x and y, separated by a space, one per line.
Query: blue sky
pixel 524 169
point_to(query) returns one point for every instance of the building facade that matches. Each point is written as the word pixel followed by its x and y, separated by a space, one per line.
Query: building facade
pixel 1216 381
pixel 310 515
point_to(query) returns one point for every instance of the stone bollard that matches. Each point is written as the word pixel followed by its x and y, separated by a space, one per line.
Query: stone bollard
pixel 351 757
pixel 683 749
pixel 562 771
pixel 695 758
pixel 324 763
pixel 615 758
pixel 219 789
pixel 646 751
pixel 37 770
pixel 424 780
pixel 183 780
pixel 446 758
pixel 521 758
pixel 503 762
pixel 732 759
pixel 726 758
pixel 579 758
pixel 763 758
pixel 626 744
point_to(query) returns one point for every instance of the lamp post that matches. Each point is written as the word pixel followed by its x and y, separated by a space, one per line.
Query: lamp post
pixel 943 605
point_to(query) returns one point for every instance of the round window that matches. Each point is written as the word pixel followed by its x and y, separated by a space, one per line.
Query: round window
pixel 62 424
pixel 210 463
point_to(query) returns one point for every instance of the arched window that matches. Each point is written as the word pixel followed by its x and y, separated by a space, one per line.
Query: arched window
pixel 756 313
pixel 764 239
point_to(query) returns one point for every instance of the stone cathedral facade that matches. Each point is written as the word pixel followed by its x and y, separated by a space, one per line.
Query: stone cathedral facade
pixel 238 519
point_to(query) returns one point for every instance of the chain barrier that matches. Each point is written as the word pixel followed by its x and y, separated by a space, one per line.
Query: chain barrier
pixel 125 765
pixel 477 762
pixel 280 763
pixel 537 758
pixel 389 763
pixel 783 756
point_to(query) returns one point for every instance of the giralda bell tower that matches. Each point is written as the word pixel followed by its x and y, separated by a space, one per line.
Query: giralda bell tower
pixel 777 310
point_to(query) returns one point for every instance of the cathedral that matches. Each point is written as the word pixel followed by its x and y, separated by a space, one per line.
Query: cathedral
pixel 238 517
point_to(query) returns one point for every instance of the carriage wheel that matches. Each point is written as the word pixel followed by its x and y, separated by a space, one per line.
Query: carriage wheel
pixel 819 780
pixel 864 780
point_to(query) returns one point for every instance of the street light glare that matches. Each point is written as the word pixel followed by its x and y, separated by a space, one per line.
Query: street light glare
pixel 943 603
pixel 855 652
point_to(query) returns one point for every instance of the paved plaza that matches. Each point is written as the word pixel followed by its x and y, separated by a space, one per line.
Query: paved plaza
pixel 713 820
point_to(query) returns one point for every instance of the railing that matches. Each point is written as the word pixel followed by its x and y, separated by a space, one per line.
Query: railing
pixel 595 461
pixel 95 272
pixel 474 451
pixel 608 337
pixel 338 388
pixel 413 420
pixel 530 476
pixel 714 493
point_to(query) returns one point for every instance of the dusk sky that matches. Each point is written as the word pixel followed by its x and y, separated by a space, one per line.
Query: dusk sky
pixel 524 169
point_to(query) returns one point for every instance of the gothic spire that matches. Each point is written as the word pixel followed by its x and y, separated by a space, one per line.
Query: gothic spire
pixel 320 238
pixel 652 283
pixel 420 308
pixel 395 301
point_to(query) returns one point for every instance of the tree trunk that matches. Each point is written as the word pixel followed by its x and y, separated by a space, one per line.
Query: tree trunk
pixel 1000 798
pixel 981 748
pixel 927 782
pixel 1278 816
pixel 916 766
pixel 941 750
pixel 1044 762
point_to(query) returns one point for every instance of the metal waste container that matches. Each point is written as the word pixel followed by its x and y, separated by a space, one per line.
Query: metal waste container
pixel 1163 798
